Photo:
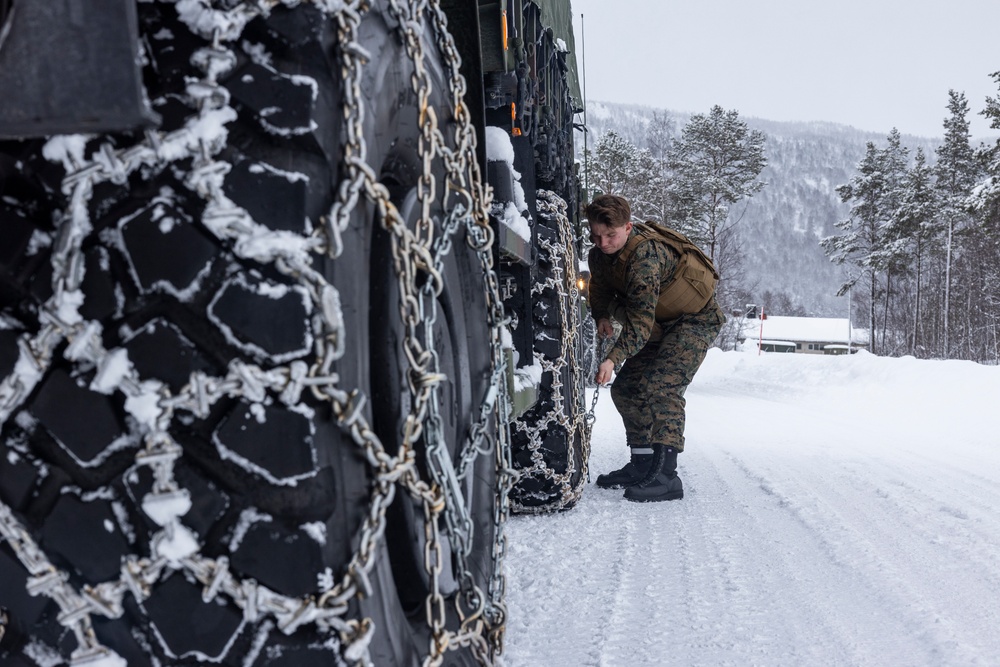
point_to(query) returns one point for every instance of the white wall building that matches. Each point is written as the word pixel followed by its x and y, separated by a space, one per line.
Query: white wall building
pixel 804 335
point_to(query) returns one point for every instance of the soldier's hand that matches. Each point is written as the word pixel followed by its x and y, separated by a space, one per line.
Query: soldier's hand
pixel 604 372
pixel 604 328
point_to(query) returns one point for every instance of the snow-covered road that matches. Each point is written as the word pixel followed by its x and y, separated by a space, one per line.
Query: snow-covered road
pixel 837 511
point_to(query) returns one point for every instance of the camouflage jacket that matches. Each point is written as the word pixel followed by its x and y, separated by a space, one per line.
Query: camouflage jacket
pixel 651 266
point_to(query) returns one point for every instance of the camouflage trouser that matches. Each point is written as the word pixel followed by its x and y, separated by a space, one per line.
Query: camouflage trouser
pixel 649 389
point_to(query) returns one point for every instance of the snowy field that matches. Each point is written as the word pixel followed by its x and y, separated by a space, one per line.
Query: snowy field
pixel 837 511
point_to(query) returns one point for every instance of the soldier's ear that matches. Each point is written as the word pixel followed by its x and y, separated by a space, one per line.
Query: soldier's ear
pixel 628 227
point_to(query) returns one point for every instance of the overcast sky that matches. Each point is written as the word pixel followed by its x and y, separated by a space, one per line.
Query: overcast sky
pixel 871 64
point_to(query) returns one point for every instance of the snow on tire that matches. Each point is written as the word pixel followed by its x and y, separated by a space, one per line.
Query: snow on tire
pixel 189 470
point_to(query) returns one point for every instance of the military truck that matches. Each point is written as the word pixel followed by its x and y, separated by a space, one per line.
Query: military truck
pixel 288 325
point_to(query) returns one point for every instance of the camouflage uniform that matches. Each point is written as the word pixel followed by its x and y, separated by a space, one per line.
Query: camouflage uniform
pixel 657 360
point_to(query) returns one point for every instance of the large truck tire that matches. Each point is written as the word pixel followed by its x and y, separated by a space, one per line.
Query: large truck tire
pixel 191 321
pixel 550 443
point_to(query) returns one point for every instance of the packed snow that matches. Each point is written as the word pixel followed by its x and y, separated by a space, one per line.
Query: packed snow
pixel 838 511
pixel 500 149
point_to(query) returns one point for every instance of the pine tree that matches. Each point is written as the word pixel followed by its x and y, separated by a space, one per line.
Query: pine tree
pixel 956 172
pixel 916 223
pixel 860 228
pixel 985 205
pixel 613 165
pixel 892 255
pixel 646 187
pixel 870 241
pixel 621 168
pixel 985 199
pixel 715 163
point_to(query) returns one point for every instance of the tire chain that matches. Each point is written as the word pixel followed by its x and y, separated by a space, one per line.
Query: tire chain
pixel 591 416
pixel 483 614
pixel 563 282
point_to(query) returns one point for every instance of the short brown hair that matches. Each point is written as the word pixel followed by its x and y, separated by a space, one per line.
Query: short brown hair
pixel 610 210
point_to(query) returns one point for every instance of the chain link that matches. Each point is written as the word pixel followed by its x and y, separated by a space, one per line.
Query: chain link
pixel 418 255
pixel 602 350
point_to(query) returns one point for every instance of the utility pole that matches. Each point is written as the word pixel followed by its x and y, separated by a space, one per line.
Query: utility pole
pixel 760 336
pixel 586 130
pixel 850 329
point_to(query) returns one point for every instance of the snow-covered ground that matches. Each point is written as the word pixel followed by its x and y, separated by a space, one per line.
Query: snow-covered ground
pixel 837 511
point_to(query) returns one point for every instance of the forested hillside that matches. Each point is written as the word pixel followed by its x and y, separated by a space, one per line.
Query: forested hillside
pixel 781 226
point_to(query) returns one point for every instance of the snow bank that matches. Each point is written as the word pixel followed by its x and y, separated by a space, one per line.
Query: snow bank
pixel 929 403
pixel 500 149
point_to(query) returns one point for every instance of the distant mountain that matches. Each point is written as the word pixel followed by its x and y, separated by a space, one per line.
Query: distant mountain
pixel 782 225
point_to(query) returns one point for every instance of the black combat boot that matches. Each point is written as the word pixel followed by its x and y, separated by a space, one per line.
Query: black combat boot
pixel 634 471
pixel 661 482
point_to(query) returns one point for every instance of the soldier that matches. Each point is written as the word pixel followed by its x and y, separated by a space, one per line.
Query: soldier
pixel 661 289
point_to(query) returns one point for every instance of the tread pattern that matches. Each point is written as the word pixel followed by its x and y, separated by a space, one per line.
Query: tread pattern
pixel 187 450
